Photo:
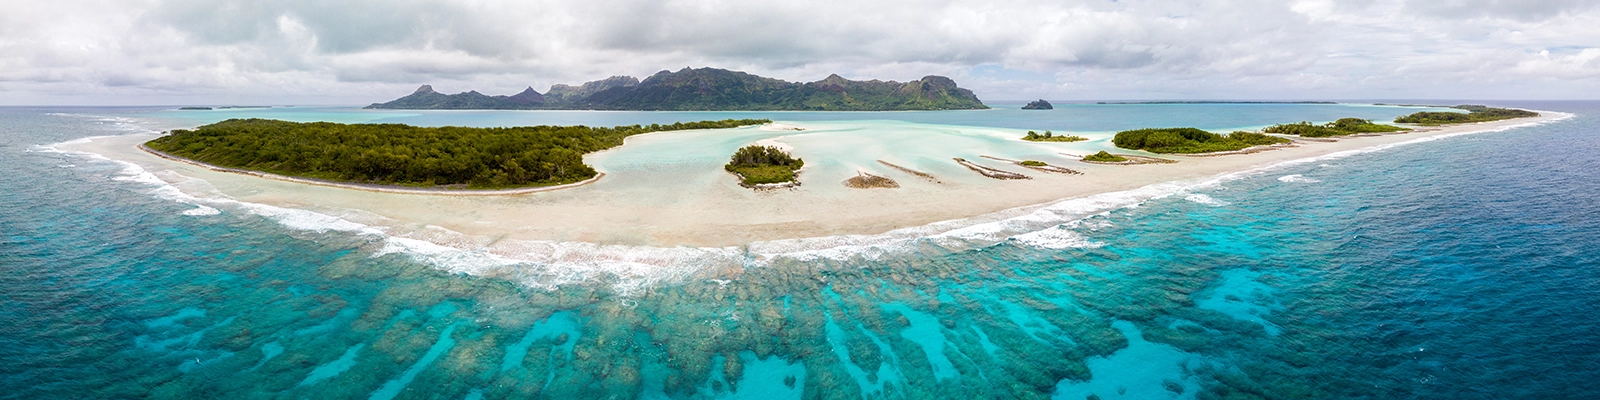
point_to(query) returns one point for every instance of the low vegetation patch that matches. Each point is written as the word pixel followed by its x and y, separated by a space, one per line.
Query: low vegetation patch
pixel 1475 113
pixel 1190 140
pixel 396 154
pixel 758 165
pixel 1033 163
pixel 1103 156
pixel 1049 136
pixel 1342 127
pixel 864 180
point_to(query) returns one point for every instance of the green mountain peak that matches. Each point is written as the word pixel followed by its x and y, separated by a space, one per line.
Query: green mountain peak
pixel 712 89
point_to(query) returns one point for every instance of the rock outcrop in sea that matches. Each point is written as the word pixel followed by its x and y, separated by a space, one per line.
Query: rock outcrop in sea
pixel 1038 105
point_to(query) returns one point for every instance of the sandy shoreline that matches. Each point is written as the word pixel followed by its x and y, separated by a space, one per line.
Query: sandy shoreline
pixel 709 209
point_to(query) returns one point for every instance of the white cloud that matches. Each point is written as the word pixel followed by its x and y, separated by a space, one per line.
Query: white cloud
pixel 354 52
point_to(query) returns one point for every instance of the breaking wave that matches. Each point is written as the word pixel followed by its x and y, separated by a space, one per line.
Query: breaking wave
pixel 1296 178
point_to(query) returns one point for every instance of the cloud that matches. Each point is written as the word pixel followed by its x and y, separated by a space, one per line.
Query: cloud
pixel 1522 10
pixel 368 50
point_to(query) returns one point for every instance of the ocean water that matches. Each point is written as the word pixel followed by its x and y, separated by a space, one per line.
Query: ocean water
pixel 1463 267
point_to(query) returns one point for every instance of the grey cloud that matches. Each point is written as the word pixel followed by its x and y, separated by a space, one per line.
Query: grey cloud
pixel 1158 48
pixel 1524 10
pixel 343 26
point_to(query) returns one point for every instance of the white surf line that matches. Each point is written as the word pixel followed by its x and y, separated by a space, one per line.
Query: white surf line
pixel 371 188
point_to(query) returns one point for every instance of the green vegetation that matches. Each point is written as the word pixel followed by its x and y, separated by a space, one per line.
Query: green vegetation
pixel 1475 113
pixel 395 154
pixel 1032 163
pixel 1051 137
pixel 1190 140
pixel 1342 127
pixel 1103 156
pixel 763 164
pixel 712 89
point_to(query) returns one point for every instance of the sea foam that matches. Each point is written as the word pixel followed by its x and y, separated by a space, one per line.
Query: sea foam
pixel 1202 198
pixel 1296 178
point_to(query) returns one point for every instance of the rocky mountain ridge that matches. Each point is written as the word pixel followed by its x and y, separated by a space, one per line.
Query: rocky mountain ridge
pixel 710 89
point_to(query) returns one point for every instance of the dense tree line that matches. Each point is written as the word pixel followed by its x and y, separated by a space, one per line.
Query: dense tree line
pixel 1475 113
pixel 764 164
pixel 763 155
pixel 1189 140
pixel 1049 136
pixel 396 154
pixel 1342 127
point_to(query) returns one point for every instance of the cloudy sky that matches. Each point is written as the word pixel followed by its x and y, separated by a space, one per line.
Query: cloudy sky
pixel 363 51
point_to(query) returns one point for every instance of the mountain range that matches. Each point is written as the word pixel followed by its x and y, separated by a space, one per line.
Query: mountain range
pixel 709 89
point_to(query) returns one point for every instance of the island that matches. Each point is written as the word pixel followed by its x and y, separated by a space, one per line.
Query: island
pixel 1038 105
pixel 1341 127
pixel 1474 113
pixel 672 189
pixel 710 89
pixel 764 167
pixel 1049 136
pixel 1105 157
pixel 1190 140
pixel 194 108
pixel 396 155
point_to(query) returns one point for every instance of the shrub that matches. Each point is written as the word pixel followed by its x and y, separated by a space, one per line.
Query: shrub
pixel 1049 136
pixel 1103 156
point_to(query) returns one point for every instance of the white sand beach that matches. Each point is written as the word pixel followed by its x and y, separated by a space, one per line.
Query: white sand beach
pixel 662 191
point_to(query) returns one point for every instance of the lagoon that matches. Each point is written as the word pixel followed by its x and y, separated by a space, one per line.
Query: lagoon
pixel 1219 285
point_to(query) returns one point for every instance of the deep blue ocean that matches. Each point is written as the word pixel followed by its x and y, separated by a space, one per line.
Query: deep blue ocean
pixel 1465 267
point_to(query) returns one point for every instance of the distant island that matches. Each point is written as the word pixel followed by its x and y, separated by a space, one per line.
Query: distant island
pixel 710 89
pixel 1217 102
pixel 1475 113
pixel 402 155
pixel 200 108
pixel 1038 105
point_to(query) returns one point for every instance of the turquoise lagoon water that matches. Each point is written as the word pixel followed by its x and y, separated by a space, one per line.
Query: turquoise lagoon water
pixel 1468 273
